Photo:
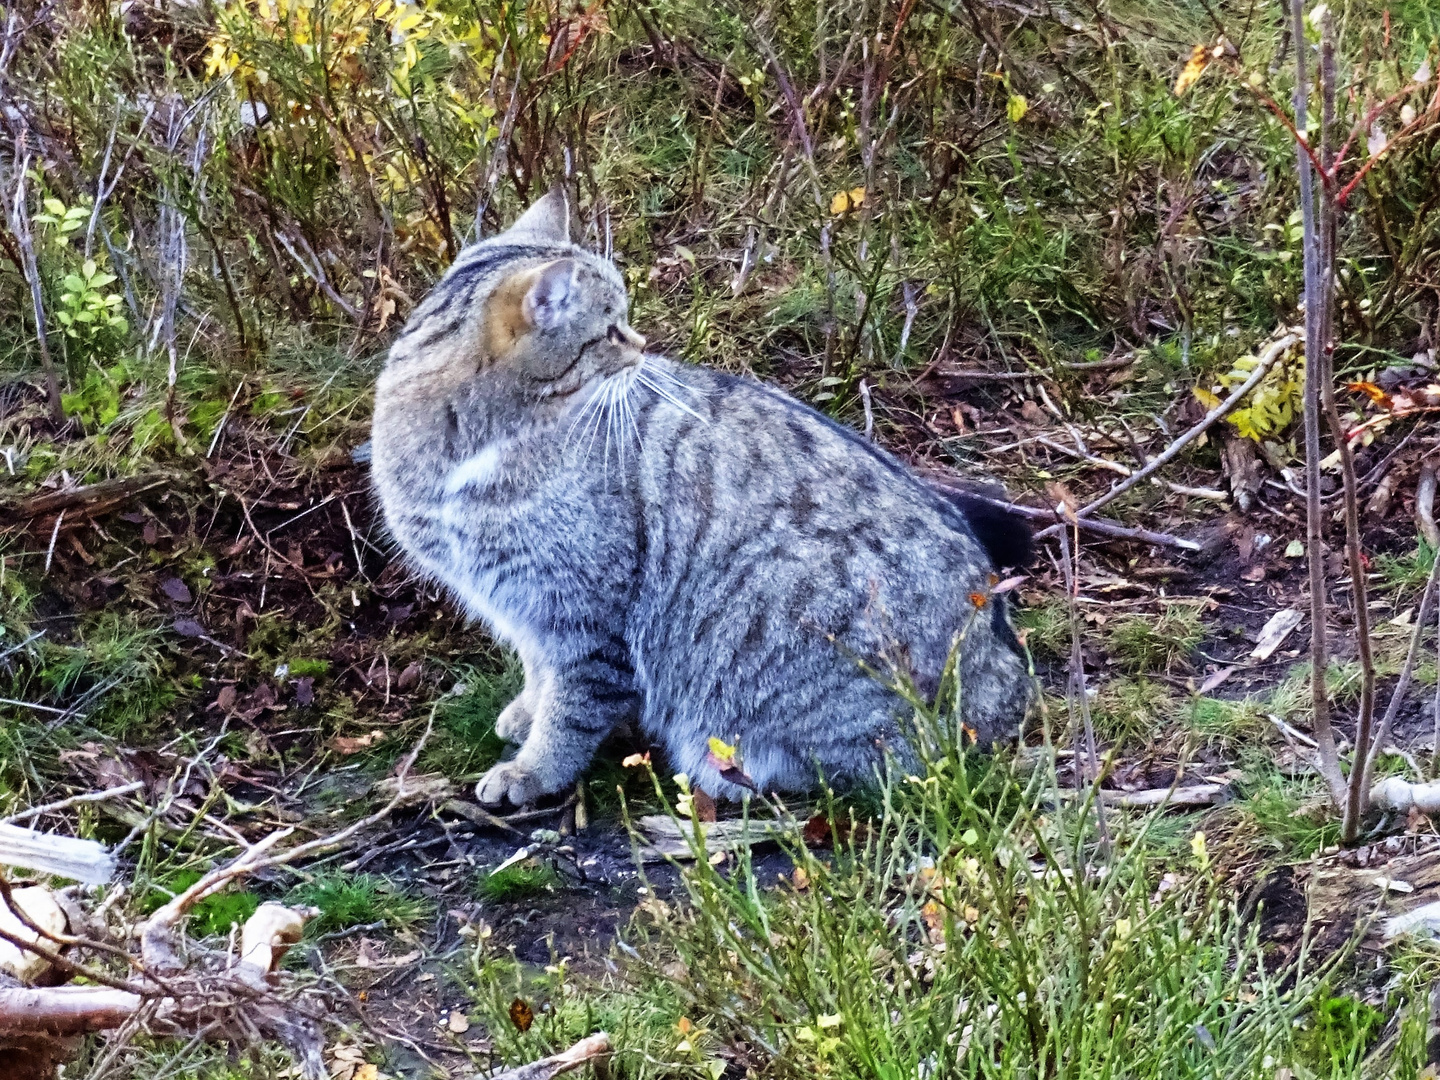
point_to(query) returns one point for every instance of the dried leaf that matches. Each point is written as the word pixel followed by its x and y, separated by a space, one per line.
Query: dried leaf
pixel 1193 69
pixel 189 628
pixel 1370 390
pixel 1274 632
pixel 176 590
pixel 702 806
pixel 342 744
pixel 458 1022
pixel 521 1015
pixel 634 761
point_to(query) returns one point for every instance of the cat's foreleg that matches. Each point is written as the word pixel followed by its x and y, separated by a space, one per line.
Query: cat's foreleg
pixel 568 715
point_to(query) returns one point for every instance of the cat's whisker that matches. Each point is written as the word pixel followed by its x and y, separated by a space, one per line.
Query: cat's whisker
pixel 660 391
pixel 591 402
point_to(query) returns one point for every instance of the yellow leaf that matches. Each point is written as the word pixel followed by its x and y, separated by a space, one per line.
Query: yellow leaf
pixel 1193 69
pixel 1206 398
pixel 840 202
pixel 857 197
pixel 722 750
pixel 827 1021
pixel 367 1072
pixel 1016 108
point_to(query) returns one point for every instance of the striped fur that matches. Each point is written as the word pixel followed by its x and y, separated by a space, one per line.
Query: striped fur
pixel 668 544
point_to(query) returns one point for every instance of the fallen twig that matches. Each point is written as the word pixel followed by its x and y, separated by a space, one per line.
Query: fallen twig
pixel 583 1052
pixel 74 800
pixel 1193 795
pixel 90 500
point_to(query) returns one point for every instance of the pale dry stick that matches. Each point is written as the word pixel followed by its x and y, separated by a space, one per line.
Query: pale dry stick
pixel 54 535
pixel 869 409
pixel 1100 526
pixel 1425 507
pixel 1435 744
pixel 18 211
pixel 1327 757
pixel 1213 494
pixel 220 427
pixel 74 800
pixel 1085 733
pixel 1365 755
pixel 1263 364
pixel 501 145
pixel 354 540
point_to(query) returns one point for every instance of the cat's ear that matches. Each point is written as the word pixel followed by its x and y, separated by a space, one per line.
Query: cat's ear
pixel 554 296
pixel 547 219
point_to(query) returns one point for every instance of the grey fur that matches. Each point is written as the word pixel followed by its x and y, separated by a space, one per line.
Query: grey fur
pixel 666 543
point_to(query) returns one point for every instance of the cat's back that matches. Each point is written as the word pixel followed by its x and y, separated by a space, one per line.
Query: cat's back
pixel 745 456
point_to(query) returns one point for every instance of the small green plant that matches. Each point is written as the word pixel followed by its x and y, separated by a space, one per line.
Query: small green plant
pixel 347 900
pixel 527 878
pixel 1339 1031
pixel 87 311
pixel 1405 575
pixel 1144 643
pixel 1225 721
pixel 1291 814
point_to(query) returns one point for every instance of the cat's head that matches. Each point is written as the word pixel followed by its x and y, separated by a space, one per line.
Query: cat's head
pixel 547 315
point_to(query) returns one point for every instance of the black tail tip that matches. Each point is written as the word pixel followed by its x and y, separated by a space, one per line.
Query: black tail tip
pixel 1005 535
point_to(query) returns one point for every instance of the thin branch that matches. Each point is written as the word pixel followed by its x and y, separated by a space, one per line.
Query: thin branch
pixel 1214 416
pixel 74 800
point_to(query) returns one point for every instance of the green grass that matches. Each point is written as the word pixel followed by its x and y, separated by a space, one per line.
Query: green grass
pixel 1155 643
pixel 1046 628
pixel 967 931
pixel 525 879
pixel 1129 711
pixel 464 743
pixel 1290 814
pixel 347 900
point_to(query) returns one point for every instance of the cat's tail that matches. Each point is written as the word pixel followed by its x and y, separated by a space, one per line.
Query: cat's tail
pixel 1005 535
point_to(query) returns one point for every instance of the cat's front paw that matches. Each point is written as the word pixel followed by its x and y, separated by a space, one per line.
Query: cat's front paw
pixel 513 723
pixel 509 780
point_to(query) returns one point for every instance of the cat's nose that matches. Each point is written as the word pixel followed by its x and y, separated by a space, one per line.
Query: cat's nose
pixel 633 337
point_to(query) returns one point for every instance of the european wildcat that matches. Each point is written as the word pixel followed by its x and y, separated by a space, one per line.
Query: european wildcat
pixel 666 543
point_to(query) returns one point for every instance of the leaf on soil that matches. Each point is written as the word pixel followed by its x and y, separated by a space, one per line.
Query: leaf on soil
pixel 305 691
pixel 347 745
pixel 176 590
pixel 1274 632
pixel 458 1023
pixel 189 628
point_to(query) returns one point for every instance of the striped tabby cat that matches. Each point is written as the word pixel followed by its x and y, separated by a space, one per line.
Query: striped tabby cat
pixel 669 544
